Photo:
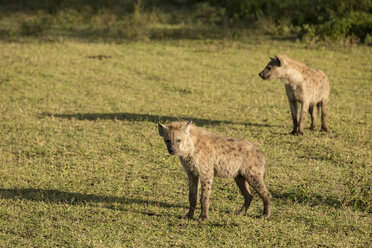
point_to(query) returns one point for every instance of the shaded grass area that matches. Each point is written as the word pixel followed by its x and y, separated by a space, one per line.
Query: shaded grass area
pixel 60 197
pixel 81 162
pixel 150 118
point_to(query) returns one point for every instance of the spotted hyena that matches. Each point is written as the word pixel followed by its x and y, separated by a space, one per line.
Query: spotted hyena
pixel 205 155
pixel 303 84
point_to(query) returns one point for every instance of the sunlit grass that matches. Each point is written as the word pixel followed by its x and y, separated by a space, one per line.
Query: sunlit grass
pixel 81 162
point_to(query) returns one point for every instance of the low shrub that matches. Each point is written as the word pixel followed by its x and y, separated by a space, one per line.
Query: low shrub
pixel 358 24
pixel 33 25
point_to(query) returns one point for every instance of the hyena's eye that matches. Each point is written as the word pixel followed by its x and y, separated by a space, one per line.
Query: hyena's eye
pixel 178 140
pixel 268 68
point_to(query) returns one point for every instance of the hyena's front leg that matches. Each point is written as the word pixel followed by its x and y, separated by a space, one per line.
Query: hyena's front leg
pixel 206 187
pixel 304 109
pixel 324 115
pixel 313 117
pixel 193 194
pixel 293 106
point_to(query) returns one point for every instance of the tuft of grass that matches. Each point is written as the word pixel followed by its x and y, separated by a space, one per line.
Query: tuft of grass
pixel 358 183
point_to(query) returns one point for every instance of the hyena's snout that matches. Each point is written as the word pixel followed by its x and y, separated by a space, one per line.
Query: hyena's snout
pixel 264 75
pixel 261 75
pixel 172 150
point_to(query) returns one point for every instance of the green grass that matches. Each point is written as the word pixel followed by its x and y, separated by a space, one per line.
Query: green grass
pixel 82 165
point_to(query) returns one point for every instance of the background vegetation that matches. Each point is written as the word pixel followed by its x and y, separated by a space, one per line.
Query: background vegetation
pixel 83 84
pixel 346 21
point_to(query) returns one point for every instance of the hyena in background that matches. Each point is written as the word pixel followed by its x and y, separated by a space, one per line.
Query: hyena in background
pixel 205 155
pixel 303 84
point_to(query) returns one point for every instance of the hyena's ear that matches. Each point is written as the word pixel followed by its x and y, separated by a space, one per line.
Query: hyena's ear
pixel 161 129
pixel 187 127
pixel 278 61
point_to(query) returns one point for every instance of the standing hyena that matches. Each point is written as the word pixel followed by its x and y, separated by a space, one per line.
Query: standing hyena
pixel 303 84
pixel 204 155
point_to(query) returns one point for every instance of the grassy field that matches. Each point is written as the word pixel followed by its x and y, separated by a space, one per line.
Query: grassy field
pixel 82 165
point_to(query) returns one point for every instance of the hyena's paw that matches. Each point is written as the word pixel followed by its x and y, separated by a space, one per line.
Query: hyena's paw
pixel 312 128
pixel 324 129
pixel 300 132
pixel 266 215
pixel 241 212
pixel 202 218
pixel 188 216
pixel 294 132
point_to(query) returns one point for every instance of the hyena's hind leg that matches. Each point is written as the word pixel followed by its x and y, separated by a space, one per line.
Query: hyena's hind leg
pixel 313 117
pixel 258 184
pixel 245 190
pixel 293 106
pixel 324 104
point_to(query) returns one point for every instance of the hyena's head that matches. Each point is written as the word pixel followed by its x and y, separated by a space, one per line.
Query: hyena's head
pixel 272 69
pixel 175 135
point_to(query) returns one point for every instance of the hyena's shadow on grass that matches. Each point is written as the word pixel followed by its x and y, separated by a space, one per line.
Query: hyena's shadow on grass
pixel 149 118
pixel 72 198
pixel 307 198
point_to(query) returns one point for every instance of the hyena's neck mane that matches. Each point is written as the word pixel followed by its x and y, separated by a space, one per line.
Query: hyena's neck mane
pixel 188 147
pixel 292 71
pixel 292 74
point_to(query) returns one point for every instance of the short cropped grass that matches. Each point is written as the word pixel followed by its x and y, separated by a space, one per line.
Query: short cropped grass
pixel 82 165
